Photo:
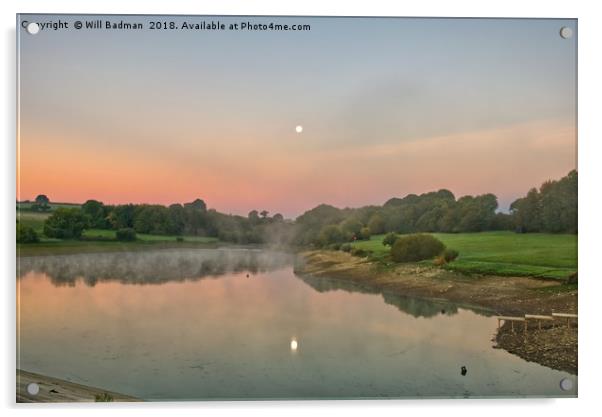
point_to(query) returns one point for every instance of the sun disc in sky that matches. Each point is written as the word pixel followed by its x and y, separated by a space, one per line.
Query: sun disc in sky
pixel 299 129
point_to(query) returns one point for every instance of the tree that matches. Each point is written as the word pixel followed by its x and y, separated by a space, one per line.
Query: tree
pixel 264 214
pixel 176 221
pixel 26 234
pixel 331 234
pixel 559 204
pixel 552 208
pixel 278 217
pixel 66 223
pixel 42 203
pixel 197 204
pixel 320 215
pixel 365 233
pixel 151 218
pixel 97 213
pixel 376 224
pixel 527 212
pixel 122 216
pixel 253 217
pixel 502 221
pixel 352 228
pixel 309 225
pixel 475 214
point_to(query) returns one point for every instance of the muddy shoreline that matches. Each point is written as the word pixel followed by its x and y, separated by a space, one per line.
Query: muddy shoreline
pixel 554 347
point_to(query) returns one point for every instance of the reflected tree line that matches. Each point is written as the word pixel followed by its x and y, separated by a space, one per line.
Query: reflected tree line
pixel 159 267
pixel 154 267
pixel 416 307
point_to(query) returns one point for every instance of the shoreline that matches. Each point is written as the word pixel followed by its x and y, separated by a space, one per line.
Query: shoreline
pixel 501 295
pixel 53 390
pixel 25 250
pixel 28 250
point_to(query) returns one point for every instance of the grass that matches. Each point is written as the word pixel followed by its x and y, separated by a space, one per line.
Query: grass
pixel 33 219
pixel 22 206
pixel 63 247
pixel 502 253
pixel 110 234
pixel 98 240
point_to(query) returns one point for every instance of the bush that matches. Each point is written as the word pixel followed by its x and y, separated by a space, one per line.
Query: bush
pixel 26 234
pixel 330 234
pixel 351 228
pixel 390 239
pixel 439 261
pixel 572 279
pixel 359 252
pixel 127 234
pixel 179 239
pixel 346 247
pixel 334 246
pixel 447 256
pixel 365 233
pixel 414 248
pixel 450 255
pixel 66 223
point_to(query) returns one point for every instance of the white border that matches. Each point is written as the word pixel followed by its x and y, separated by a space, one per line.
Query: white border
pixel 589 200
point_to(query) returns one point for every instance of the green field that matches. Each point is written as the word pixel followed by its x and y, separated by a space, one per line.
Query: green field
pixel 23 206
pixel 33 219
pixel 60 247
pixel 503 253
pixel 98 240
pixel 110 234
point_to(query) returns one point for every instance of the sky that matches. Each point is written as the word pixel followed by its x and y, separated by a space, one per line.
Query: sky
pixel 389 106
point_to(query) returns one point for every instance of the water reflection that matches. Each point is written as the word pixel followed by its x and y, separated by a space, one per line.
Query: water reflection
pixel 153 267
pixel 411 305
pixel 158 267
pixel 269 335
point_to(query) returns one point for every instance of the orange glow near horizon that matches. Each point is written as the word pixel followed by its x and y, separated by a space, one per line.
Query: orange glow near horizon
pixel 293 177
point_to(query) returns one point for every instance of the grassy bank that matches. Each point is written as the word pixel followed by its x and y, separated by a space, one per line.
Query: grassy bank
pixel 101 234
pixel 64 247
pixel 502 253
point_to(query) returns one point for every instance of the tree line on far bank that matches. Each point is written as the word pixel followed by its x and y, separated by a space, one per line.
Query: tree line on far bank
pixel 551 208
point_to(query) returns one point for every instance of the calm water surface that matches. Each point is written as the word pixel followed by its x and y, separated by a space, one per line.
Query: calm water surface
pixel 213 324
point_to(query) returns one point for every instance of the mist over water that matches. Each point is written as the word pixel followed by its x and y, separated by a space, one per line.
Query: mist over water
pixel 238 323
pixel 152 267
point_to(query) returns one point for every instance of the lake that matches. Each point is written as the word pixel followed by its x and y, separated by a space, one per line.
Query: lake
pixel 196 324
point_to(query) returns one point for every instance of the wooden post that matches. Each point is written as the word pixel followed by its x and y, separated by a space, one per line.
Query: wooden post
pixel 510 319
pixel 539 318
pixel 567 316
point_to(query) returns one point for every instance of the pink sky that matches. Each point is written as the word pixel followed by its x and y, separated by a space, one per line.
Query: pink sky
pixel 291 177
